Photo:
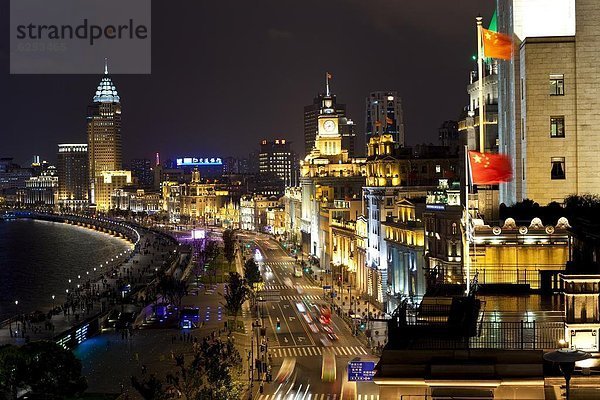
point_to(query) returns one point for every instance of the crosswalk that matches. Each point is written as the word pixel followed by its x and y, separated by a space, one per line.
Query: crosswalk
pixel 280 263
pixel 319 396
pixel 283 287
pixel 309 351
pixel 302 297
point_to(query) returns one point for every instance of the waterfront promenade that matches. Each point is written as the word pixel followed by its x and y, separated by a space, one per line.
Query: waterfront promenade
pixel 87 297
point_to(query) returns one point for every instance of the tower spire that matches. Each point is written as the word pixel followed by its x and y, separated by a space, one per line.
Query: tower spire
pixel 105 65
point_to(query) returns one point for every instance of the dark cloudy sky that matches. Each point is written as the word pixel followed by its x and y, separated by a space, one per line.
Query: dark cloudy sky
pixel 226 74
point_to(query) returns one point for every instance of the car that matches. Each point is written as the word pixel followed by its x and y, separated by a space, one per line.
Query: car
pixel 327 328
pixel 307 318
pixel 313 328
pixel 325 341
pixel 332 336
pixel 301 307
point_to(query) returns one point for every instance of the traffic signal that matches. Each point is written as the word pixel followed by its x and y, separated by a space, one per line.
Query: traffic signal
pixel 278 324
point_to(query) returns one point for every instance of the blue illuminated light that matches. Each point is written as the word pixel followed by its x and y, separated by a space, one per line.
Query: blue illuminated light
pixel 193 161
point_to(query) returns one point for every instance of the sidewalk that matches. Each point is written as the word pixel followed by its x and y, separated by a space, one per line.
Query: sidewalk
pixel 96 295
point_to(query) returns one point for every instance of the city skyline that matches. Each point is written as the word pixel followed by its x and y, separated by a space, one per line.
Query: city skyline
pixel 199 89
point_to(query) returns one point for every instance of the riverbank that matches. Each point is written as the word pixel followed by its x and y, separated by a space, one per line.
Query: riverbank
pixel 95 296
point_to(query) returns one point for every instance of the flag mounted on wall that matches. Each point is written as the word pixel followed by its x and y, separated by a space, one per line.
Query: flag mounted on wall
pixel 496 45
pixel 489 168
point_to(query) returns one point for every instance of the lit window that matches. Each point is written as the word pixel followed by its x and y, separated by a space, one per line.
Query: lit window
pixel 557 85
pixel 557 127
pixel 558 168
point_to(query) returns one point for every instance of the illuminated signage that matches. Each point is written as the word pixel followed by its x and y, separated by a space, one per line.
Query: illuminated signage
pixel 440 207
pixel 193 161
pixel 198 234
pixel 361 371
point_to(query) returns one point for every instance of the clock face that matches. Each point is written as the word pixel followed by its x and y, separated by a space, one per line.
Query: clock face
pixel 329 125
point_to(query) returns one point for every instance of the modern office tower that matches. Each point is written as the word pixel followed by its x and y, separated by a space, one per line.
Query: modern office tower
pixel 312 112
pixel 549 98
pixel 277 160
pixel 73 179
pixel 141 170
pixel 383 115
pixel 104 131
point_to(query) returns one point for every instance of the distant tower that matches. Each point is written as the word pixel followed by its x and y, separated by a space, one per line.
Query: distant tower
pixel 104 131
pixel 383 114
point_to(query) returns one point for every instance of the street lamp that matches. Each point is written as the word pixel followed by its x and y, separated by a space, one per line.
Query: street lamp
pixel 53 304
pixel 566 359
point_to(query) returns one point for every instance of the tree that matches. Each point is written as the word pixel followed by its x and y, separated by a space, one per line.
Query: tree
pixel 172 289
pixel 251 273
pixel 236 293
pixel 12 371
pixel 44 367
pixel 229 246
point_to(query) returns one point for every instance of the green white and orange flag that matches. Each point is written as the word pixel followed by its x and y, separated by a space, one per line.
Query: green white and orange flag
pixel 496 45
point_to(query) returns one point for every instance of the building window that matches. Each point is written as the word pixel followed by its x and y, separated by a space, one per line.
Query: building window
pixel 557 85
pixel 557 127
pixel 558 168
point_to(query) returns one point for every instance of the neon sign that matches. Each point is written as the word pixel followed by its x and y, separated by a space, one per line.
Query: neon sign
pixel 193 161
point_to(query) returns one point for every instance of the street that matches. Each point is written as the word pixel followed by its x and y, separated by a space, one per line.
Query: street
pixel 301 338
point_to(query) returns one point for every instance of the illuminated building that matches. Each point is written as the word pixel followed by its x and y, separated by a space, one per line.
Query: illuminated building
pixel 311 114
pixel 106 183
pixel 468 125
pixel 73 179
pixel 104 134
pixel 292 202
pixel 404 235
pixel 202 201
pixel 348 230
pixel 392 173
pixel 549 98
pixel 530 254
pixel 41 190
pixel 327 174
pixel 142 172
pixel 253 212
pixel 277 161
pixel 383 115
pixel 275 220
pixel 12 176
pixel 171 197
pixel 136 200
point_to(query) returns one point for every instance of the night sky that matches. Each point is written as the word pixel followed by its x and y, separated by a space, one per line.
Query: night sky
pixel 226 74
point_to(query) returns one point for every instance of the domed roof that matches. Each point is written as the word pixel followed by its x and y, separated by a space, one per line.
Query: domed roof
pixel 106 91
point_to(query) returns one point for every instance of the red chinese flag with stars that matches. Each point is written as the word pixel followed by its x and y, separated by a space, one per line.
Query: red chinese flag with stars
pixel 496 45
pixel 489 168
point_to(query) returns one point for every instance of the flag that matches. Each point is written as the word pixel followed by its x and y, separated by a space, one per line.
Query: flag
pixel 389 121
pixel 496 45
pixel 377 124
pixel 489 168
pixel 329 76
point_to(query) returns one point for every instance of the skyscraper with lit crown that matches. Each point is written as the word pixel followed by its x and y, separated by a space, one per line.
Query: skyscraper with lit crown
pixel 104 131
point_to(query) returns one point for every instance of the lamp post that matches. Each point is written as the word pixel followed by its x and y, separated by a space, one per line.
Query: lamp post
pixel 53 303
pixel 566 359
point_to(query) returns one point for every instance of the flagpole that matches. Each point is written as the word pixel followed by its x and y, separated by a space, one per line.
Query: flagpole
pixel 466 255
pixel 327 82
pixel 480 85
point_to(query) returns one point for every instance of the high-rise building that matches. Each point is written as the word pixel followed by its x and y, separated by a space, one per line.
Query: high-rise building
pixel 549 98
pixel 312 112
pixel 73 180
pixel 104 131
pixel 141 170
pixel 41 190
pixel 277 160
pixel 383 115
